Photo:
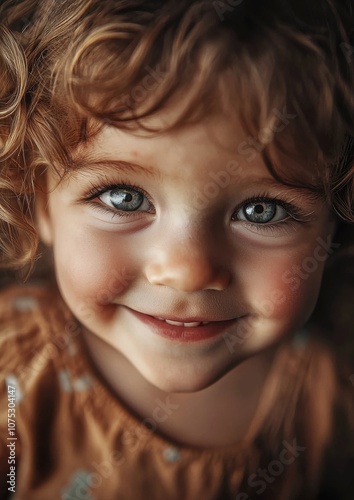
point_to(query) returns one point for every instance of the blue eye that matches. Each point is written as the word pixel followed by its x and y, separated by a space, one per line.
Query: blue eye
pixel 261 212
pixel 124 198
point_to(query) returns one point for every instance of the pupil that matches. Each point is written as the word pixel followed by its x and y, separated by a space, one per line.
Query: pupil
pixel 128 197
pixel 258 209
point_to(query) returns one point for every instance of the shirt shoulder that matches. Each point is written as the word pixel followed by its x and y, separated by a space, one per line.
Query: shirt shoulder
pixel 34 320
pixel 26 313
pixel 28 316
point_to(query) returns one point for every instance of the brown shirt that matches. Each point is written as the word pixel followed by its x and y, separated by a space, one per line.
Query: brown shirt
pixel 64 435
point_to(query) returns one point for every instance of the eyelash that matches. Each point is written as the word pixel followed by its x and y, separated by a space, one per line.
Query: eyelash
pixel 96 191
pixel 296 215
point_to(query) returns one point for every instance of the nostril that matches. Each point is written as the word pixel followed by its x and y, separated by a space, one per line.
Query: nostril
pixel 221 281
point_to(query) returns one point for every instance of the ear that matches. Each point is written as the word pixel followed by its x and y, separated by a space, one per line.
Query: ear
pixel 42 212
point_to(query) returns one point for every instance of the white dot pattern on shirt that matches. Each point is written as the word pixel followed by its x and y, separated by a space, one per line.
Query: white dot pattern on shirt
pixel 171 454
pixel 79 487
pixel 78 384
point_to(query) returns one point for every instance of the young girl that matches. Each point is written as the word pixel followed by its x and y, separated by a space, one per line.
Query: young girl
pixel 188 168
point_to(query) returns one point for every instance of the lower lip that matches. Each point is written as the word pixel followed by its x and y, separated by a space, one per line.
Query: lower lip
pixel 182 333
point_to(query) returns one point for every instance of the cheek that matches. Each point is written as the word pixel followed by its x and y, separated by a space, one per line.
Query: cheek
pixel 284 286
pixel 93 267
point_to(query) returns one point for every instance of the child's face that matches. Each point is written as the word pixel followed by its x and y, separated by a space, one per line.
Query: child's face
pixel 182 248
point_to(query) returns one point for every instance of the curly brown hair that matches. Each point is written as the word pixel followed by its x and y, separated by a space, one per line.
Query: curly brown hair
pixel 70 66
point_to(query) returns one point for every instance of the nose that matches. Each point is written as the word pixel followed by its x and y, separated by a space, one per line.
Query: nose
pixel 188 265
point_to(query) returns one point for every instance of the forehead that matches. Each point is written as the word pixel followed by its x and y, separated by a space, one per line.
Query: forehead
pixel 225 121
pixel 194 153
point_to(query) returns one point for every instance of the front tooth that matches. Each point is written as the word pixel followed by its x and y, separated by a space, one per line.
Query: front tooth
pixel 174 323
pixel 178 323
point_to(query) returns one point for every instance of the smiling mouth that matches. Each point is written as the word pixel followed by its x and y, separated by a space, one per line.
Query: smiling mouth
pixel 186 331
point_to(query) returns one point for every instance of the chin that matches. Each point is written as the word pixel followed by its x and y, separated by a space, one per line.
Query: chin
pixel 184 382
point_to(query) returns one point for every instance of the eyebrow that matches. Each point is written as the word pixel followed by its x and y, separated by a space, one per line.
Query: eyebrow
pixel 94 166
pixel 91 165
pixel 299 189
